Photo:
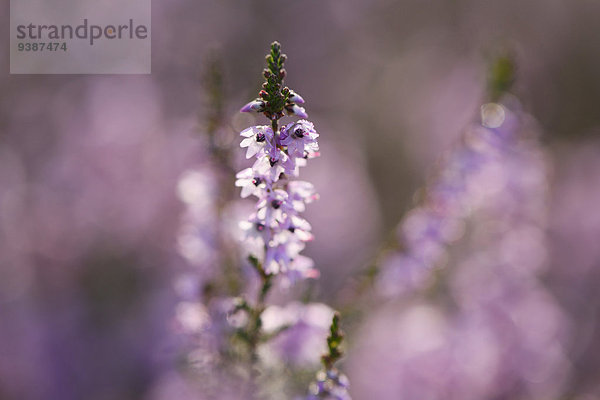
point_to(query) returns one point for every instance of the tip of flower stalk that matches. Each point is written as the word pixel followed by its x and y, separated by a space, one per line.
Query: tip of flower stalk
pixel 254 105
pixel 501 74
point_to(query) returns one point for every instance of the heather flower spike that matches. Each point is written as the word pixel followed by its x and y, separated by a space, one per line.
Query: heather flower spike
pixel 275 233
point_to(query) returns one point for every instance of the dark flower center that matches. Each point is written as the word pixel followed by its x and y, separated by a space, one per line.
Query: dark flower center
pixel 260 227
pixel 272 161
pixel 257 181
pixel 299 133
pixel 260 137
pixel 276 204
pixel 291 229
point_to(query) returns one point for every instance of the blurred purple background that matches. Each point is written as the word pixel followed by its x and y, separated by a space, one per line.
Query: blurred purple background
pixel 89 170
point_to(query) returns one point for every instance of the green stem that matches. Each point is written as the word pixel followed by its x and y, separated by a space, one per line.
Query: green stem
pixel 334 341
pixel 255 323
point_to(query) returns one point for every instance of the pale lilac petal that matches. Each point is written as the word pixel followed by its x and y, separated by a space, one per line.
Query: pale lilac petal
pixel 253 149
pixel 247 190
pixel 247 142
pixel 246 173
pixel 248 132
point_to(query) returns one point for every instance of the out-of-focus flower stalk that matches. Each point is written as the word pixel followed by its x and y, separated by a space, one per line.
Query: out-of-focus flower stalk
pixel 220 158
pixel 207 244
pixel 421 241
pixel 474 248
pixel 206 190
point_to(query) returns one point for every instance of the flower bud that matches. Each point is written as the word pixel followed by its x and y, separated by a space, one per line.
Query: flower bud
pixel 295 98
pixel 297 110
pixel 255 105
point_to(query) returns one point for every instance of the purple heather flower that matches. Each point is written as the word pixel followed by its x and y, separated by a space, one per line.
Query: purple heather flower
pixel 279 257
pixel 273 163
pixel 255 228
pixel 250 182
pixel 274 199
pixel 294 109
pixel 295 225
pixel 257 139
pixel 301 267
pixel 255 105
pixel 299 137
pixel 300 194
pixel 295 98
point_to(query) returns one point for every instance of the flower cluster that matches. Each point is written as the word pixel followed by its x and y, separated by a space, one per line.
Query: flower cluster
pixel 275 234
pixel 330 385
